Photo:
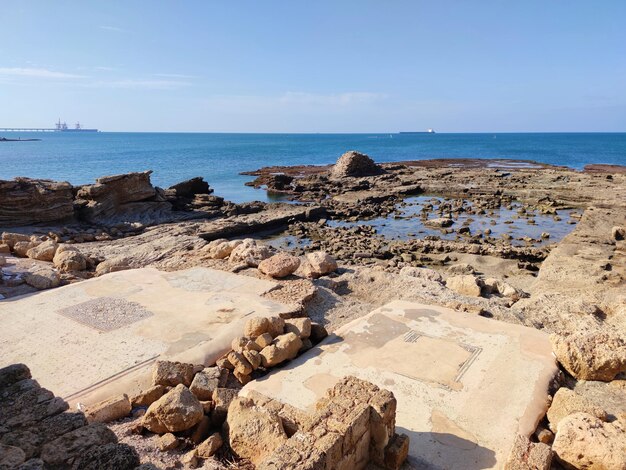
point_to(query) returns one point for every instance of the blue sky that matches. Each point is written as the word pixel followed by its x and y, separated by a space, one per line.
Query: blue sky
pixel 315 66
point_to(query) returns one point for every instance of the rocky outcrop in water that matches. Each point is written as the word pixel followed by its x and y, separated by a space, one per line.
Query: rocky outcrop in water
pixel 26 201
pixel 118 200
pixel 355 163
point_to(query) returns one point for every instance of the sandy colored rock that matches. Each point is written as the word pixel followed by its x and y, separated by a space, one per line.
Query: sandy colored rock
pixel 5 248
pixel 567 402
pixel 112 265
pixel 256 327
pixel 206 381
pixel 618 232
pixel 279 265
pixel 208 447
pixel 26 201
pixel 583 441
pixel 317 264
pixel 464 284
pixel 241 364
pixel 175 411
pixel 250 253
pixel 440 222
pixel 277 326
pixel 44 251
pixel 167 442
pixel 21 248
pixel 591 356
pixel 10 238
pixel 264 340
pixel 148 396
pixel 221 248
pixel 284 347
pixel 421 273
pixel 527 455
pixel 298 326
pixel 42 277
pixel 109 410
pixel 253 432
pixel 172 373
pixel 253 357
pixel 69 260
pixel 353 163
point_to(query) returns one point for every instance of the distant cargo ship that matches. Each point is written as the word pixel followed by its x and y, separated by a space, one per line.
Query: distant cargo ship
pixel 62 127
pixel 428 131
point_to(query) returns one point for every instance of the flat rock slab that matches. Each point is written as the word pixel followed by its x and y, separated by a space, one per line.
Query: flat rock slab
pixel 465 385
pixel 104 334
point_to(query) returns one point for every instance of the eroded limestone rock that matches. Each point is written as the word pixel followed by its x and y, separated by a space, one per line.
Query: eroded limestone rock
pixel 585 442
pixel 175 411
pixel 253 433
pixel 353 163
pixel 591 356
pixel 279 265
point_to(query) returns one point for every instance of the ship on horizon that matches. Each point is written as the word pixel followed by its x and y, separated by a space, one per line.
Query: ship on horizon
pixel 62 127
pixel 427 131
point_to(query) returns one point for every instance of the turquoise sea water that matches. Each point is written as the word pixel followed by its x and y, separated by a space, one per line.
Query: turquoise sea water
pixel 219 158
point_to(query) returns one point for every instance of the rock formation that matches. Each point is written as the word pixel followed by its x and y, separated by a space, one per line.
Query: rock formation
pixel 26 201
pixel 354 163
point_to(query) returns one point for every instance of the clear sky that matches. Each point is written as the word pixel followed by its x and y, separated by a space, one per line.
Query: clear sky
pixel 315 66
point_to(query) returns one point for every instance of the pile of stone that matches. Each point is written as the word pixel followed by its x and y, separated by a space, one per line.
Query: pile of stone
pixel 353 163
pixel 268 342
pixel 579 433
pixel 37 431
pixel 352 426
pixel 250 253
pixel 187 404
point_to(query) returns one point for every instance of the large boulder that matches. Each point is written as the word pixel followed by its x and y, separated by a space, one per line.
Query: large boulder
pixel 584 441
pixel 253 432
pixel 106 197
pixel 112 409
pixel 189 188
pixel 250 252
pixel 316 264
pixel 591 356
pixel 355 163
pixel 44 251
pixel 566 402
pixel 25 201
pixel 172 373
pixel 42 277
pixel 175 411
pixel 279 265
pixel 10 239
pixel 112 265
pixel 67 260
pixel 464 284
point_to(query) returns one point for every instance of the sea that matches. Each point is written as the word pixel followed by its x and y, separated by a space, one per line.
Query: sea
pixel 80 158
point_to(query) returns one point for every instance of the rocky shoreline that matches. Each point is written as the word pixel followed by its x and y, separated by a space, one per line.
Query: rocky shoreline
pixel 518 241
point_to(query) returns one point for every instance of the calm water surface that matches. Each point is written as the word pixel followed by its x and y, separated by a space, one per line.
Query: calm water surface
pixel 219 158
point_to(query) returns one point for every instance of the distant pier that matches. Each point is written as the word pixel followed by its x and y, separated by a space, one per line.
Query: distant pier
pixel 27 129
